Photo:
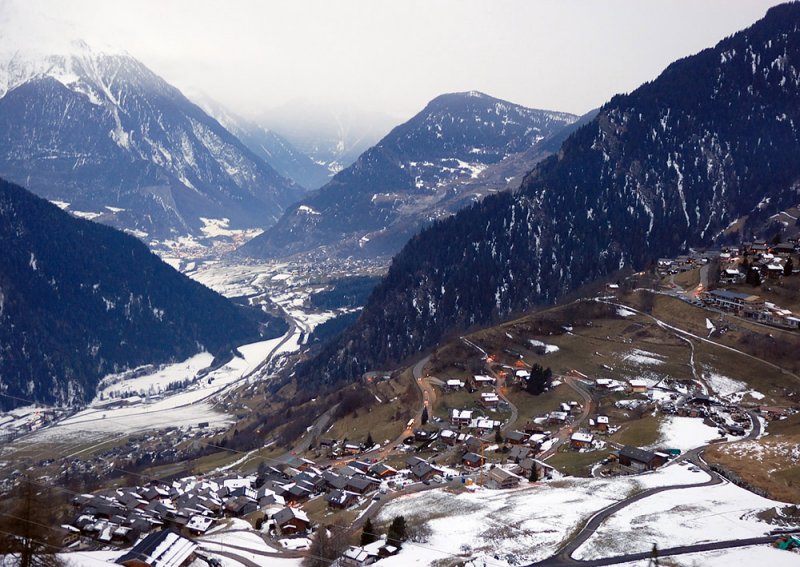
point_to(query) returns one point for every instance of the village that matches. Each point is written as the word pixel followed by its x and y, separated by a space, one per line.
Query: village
pixel 491 418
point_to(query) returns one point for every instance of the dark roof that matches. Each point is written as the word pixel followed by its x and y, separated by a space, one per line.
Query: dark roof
pixel 637 454
pixel 516 436
pixel 472 458
pixel 170 547
pixel 285 515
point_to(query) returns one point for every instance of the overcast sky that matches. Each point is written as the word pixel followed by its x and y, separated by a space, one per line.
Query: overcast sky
pixel 392 57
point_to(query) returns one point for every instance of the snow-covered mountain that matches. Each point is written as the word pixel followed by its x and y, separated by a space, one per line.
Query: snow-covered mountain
pixel 102 132
pixel 270 146
pixel 456 150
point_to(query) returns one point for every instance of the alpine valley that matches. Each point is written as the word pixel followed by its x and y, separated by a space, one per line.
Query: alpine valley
pixel 271 332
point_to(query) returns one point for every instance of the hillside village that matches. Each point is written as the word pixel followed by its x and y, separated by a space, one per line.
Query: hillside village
pixel 492 417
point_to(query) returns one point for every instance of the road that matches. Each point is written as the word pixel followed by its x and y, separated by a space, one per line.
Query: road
pixel 563 434
pixel 564 556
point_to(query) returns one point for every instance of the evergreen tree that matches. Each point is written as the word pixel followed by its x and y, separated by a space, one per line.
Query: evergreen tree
pixel 753 277
pixel 788 268
pixel 540 380
pixel 534 476
pixel 368 533
pixel 396 534
pixel 369 442
pixel 498 437
pixel 424 418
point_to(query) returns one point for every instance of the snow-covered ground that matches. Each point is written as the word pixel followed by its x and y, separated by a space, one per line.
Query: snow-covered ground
pixel 722 385
pixel 642 357
pixel 185 408
pixel 754 555
pixel 685 433
pixel 513 527
pixel 547 348
pixel 680 517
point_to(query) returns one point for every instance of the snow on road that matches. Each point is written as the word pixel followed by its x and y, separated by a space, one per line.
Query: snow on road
pixel 680 517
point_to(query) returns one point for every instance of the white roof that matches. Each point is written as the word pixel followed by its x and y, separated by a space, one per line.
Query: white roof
pixel 199 523
pixel 637 382
pixel 455 382
pixel 583 437
pixel 602 419
pixel 483 378
pixel 558 415
pixel 522 374
pixel 462 414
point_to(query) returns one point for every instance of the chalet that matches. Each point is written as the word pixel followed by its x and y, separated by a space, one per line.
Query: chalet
pixel 460 417
pixel 198 525
pixel 581 440
pixel 500 478
pixel 774 271
pixel 238 507
pixel 532 427
pixel 599 423
pixel 640 459
pixel 448 437
pixel 473 444
pixel 638 386
pixel 557 417
pixel 731 275
pixel 486 425
pixel 160 549
pixel 454 385
pixel 297 493
pixel 424 471
pixel 784 249
pixel 359 466
pixel 516 437
pixel 341 499
pixel 359 484
pixel 356 556
pixel 489 400
pixel 352 448
pixel 483 380
pixel 472 460
pixel 543 470
pixel 382 470
pixel 291 521
pixel 414 460
pixel 516 454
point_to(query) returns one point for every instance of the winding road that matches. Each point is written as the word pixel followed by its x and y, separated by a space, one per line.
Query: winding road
pixel 563 558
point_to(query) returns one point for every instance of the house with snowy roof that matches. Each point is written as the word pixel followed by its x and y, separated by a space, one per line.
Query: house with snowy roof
pixel 160 549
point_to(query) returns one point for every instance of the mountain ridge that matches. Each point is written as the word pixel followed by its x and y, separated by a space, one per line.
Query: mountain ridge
pixel 424 169
pixel 673 164
pixel 102 130
pixel 79 300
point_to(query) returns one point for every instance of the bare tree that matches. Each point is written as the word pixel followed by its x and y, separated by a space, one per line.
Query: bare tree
pixel 28 531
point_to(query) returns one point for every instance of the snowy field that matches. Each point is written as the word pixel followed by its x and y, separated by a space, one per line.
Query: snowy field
pixel 640 357
pixel 680 517
pixel 686 433
pixel 755 555
pixel 186 408
pixel 512 527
